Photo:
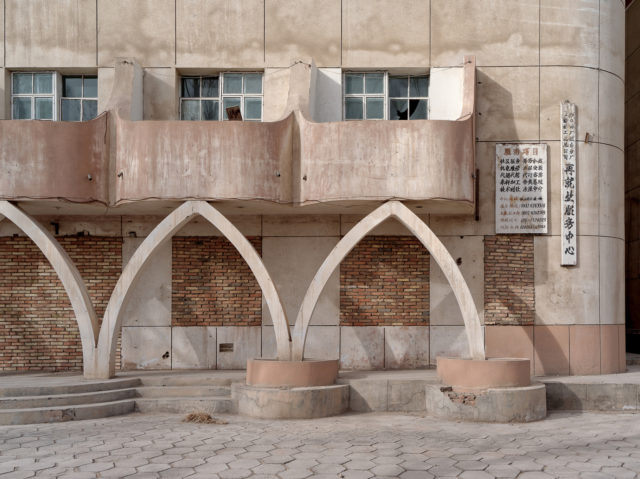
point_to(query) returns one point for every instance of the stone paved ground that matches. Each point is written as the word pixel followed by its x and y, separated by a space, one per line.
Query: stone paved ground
pixel 588 445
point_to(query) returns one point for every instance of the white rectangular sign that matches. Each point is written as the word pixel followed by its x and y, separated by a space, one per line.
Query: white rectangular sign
pixel 521 188
pixel 569 203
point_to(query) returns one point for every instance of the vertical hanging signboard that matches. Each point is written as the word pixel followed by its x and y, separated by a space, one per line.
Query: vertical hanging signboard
pixel 569 201
pixel 521 188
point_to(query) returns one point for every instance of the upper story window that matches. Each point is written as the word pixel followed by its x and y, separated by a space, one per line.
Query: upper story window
pixel 208 97
pixel 380 96
pixel 34 96
pixel 79 98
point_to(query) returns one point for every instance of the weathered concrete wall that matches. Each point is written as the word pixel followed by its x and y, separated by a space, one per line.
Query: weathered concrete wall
pixel 543 53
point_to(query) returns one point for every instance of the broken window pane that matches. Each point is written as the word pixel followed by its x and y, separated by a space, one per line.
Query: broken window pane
pixel 418 109
pixel 398 110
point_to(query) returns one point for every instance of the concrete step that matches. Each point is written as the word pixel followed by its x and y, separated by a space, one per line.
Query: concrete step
pixel 197 380
pixel 66 413
pixel 78 388
pixel 27 402
pixel 185 405
pixel 183 391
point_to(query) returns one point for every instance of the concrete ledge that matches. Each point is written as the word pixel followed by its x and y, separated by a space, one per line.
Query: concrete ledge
pixel 307 373
pixel 523 404
pixel 569 396
pixel 291 403
pixel 471 374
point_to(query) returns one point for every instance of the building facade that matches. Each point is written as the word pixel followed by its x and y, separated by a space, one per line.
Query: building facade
pixel 346 104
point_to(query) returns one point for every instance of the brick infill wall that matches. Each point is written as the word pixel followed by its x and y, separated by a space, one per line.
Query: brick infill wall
pixel 212 285
pixel 384 281
pixel 38 329
pixel 509 290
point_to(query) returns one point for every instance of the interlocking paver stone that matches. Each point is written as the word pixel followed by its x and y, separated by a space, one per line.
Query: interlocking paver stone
pixel 348 447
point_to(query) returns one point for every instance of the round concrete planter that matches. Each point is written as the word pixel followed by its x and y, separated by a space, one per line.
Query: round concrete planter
pixel 307 373
pixel 471 374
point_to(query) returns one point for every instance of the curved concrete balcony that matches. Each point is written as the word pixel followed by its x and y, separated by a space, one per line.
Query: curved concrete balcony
pixel 266 167
pixel 53 160
pixel 182 160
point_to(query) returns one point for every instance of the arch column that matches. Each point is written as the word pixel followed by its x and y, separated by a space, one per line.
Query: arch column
pixel 430 241
pixel 103 365
pixel 67 273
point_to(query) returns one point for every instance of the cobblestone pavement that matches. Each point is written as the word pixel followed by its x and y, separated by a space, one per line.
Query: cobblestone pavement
pixel 588 445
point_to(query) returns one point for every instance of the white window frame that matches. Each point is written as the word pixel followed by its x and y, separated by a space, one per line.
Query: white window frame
pixel 221 95
pixel 387 98
pixel 364 95
pixel 33 96
pixel 82 75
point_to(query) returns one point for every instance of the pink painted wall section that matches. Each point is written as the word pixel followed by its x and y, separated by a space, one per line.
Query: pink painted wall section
pixel 53 160
pixel 423 160
pixel 209 160
pixel 370 160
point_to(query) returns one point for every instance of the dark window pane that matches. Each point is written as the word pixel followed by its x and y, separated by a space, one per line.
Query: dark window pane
pixel 210 110
pixel 419 86
pixel 70 110
pixel 353 84
pixel 22 108
pixel 43 82
pixel 210 87
pixel 72 87
pixel 252 108
pixel 229 102
pixel 190 110
pixel 253 83
pixel 374 83
pixel 375 108
pixel 89 109
pixel 233 83
pixel 398 110
pixel 22 83
pixel 90 87
pixel 398 87
pixel 44 108
pixel 190 87
pixel 418 109
pixel 353 108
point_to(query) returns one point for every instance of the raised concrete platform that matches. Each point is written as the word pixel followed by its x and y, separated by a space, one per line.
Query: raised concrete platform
pixel 291 403
pixel 513 404
pixel 169 391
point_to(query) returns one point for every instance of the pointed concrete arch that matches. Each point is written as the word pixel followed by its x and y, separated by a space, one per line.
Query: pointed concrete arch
pixel 430 241
pixel 67 273
pixel 104 365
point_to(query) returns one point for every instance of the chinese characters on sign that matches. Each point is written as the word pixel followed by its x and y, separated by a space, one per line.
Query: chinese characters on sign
pixel 521 188
pixel 569 199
